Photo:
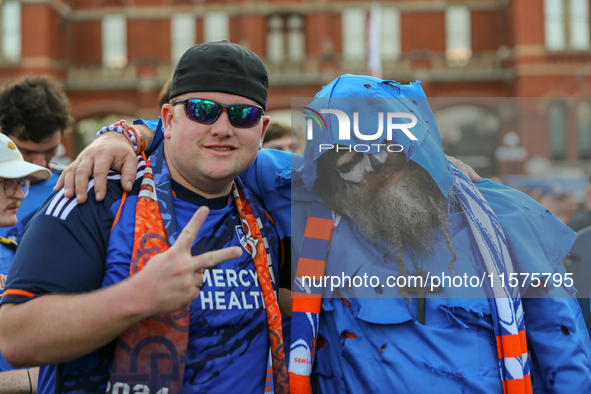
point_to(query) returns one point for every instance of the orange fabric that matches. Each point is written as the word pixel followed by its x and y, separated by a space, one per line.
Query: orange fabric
pixel 18 293
pixel 299 384
pixel 297 294
pixel 319 228
pixel 346 301
pixel 119 211
pixel 311 268
pixel 280 376
pixel 512 345
pixel 528 386
pixel 310 305
pixel 160 334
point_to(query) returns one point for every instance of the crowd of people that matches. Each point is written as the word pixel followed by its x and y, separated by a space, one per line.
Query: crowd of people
pixel 176 271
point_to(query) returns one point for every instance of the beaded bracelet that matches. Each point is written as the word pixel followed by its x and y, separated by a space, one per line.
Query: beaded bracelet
pixel 131 138
pixel 135 137
pixel 105 129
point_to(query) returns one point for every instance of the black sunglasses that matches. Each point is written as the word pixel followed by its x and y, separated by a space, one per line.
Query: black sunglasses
pixel 207 112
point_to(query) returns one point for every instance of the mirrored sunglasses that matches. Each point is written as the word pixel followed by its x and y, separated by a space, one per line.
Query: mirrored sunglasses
pixel 207 112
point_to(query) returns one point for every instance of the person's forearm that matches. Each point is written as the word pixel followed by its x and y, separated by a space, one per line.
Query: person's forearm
pixel 147 132
pixel 20 381
pixel 58 328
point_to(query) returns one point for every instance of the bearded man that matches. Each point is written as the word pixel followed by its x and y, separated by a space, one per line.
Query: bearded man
pixel 409 212
pixel 397 208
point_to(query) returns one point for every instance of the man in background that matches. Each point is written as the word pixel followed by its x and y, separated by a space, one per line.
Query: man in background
pixel 279 137
pixel 34 114
pixel 15 177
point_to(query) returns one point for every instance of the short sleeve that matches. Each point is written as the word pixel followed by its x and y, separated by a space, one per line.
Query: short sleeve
pixel 63 249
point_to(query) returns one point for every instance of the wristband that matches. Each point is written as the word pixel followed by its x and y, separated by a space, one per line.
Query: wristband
pixel 141 141
pixel 135 138
pixel 113 127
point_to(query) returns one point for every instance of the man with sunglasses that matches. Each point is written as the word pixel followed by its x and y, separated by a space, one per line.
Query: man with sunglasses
pixel 15 179
pixel 98 295
pixel 476 340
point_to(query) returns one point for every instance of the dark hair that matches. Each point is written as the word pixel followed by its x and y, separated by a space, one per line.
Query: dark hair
pixel 276 130
pixel 163 96
pixel 33 108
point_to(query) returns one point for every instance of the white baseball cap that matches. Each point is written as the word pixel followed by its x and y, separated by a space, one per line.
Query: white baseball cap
pixel 14 166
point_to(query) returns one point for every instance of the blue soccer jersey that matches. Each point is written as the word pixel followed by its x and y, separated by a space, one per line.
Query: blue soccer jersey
pixel 71 248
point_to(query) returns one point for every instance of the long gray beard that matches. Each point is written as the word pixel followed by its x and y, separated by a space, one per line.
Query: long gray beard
pixel 409 213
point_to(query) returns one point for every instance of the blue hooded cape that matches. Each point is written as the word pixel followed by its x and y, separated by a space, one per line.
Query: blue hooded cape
pixel 369 338
pixel 371 342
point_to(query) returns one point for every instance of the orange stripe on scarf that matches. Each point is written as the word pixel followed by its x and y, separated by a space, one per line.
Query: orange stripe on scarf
pixel 280 377
pixel 165 335
pixel 512 345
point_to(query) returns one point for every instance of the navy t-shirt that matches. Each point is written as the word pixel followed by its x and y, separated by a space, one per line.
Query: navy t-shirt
pixel 69 248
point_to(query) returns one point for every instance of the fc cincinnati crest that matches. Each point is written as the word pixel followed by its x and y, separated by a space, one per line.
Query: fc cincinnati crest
pixel 247 241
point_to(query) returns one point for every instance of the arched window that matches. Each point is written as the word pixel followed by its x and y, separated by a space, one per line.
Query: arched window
pixel 557 131
pixel 583 114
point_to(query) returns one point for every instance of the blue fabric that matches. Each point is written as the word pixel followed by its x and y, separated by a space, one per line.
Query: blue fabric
pixel 6 257
pixel 374 344
pixel 455 351
pixel 38 193
pixel 367 96
pixel 228 338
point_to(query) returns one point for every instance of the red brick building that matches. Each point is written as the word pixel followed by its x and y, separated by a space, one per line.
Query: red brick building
pixel 113 57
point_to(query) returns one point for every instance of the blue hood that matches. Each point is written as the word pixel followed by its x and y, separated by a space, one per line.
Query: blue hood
pixel 368 96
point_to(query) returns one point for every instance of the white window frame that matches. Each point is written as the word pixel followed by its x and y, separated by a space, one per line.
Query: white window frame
pixel 183 34
pixel 296 43
pixel 114 41
pixel 11 31
pixel 579 25
pixel 354 30
pixel 458 29
pixel 391 34
pixel 216 26
pixel 554 25
pixel 275 39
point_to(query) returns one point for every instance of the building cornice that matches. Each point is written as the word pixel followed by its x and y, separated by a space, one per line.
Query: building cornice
pixel 262 8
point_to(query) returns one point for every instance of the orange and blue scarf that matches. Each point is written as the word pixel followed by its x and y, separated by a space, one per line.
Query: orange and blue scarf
pixel 150 355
